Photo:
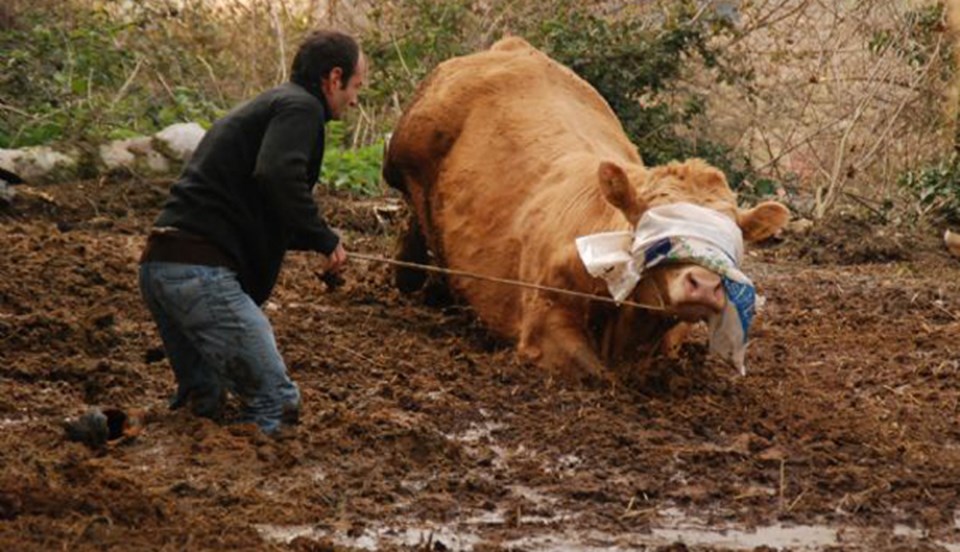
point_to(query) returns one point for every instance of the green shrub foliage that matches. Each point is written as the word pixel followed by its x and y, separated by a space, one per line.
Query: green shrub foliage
pixel 73 76
pixel 936 189
pixel 73 73
pixel 355 170
pixel 633 59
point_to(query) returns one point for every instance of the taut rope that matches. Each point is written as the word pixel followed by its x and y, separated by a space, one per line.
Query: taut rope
pixel 504 281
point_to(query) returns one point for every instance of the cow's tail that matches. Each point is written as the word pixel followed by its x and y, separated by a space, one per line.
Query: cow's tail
pixel 391 171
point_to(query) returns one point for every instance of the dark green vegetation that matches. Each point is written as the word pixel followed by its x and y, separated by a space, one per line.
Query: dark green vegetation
pixel 634 61
pixel 82 72
pixel 86 76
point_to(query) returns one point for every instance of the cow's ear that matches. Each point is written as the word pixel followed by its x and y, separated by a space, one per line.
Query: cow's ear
pixel 763 221
pixel 618 191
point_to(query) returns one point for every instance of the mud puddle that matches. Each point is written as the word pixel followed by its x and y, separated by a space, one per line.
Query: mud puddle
pixel 553 537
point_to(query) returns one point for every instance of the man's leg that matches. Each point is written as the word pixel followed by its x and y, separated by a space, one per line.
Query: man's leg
pixel 252 365
pixel 233 335
pixel 198 383
pixel 259 376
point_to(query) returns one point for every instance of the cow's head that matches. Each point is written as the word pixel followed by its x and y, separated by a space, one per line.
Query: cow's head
pixel 689 291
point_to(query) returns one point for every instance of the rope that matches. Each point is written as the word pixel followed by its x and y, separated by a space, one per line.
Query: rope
pixel 505 281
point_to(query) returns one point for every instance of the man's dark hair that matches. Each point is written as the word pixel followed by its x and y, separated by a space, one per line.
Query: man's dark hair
pixel 319 53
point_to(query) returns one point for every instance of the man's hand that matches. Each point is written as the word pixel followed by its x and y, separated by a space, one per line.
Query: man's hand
pixel 336 259
pixel 331 272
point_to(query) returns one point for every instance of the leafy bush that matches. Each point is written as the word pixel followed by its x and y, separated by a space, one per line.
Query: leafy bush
pixel 634 60
pixel 74 78
pixel 356 170
pixel 636 65
pixel 86 74
pixel 936 188
pixel 406 40
pixel 49 69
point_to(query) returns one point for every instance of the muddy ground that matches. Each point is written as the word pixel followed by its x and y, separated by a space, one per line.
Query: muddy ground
pixel 420 431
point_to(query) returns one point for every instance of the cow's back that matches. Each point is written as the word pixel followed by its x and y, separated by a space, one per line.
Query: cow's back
pixel 498 154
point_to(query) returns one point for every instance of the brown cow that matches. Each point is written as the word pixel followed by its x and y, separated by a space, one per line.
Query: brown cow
pixel 505 158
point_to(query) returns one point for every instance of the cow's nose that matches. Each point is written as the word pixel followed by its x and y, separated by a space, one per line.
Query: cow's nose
pixel 705 287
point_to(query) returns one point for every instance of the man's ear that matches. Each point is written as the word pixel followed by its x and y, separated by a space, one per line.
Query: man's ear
pixel 618 191
pixel 763 221
pixel 334 79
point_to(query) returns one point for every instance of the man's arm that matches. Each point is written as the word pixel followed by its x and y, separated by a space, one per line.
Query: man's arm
pixel 294 131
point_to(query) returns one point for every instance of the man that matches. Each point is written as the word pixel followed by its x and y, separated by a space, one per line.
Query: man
pixel 215 251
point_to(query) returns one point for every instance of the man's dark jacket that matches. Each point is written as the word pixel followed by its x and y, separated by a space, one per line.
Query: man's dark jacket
pixel 247 189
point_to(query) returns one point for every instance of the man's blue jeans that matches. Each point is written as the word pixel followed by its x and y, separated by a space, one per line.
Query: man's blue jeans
pixel 218 341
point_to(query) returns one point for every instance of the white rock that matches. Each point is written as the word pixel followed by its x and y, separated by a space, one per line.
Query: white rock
pixel 140 145
pixel 117 154
pixel 156 163
pixel 6 193
pixel 8 159
pixel 180 140
pixel 35 163
pixel 134 153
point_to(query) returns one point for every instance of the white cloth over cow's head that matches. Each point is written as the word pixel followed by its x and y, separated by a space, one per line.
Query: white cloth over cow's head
pixel 680 232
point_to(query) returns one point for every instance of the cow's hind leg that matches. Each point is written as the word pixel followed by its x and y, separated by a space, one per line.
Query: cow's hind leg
pixel 411 248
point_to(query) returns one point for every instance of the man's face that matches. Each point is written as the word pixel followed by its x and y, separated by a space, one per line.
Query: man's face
pixel 340 97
